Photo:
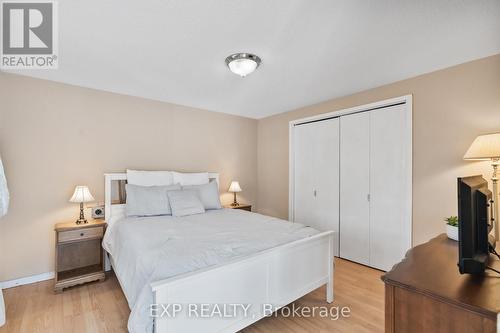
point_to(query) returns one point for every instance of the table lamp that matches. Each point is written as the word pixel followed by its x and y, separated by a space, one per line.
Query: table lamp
pixel 81 195
pixel 487 148
pixel 234 188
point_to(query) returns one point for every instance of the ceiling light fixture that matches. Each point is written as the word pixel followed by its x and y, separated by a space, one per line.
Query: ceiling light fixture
pixel 243 63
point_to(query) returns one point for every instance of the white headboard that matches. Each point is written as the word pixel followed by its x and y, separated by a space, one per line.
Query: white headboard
pixel 111 209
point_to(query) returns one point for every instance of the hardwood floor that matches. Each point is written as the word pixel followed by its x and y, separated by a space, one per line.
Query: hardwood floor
pixel 101 307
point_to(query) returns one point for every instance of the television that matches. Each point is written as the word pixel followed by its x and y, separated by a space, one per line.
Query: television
pixel 475 207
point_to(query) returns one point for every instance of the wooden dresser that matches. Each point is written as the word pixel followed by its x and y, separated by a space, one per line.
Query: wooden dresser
pixel 426 293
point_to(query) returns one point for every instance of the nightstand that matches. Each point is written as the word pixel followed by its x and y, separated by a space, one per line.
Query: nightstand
pixel 240 206
pixel 79 254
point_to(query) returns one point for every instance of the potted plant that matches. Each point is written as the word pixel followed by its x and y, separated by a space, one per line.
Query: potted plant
pixel 452 227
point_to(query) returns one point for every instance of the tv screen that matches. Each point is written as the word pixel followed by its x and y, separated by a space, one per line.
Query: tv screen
pixel 474 224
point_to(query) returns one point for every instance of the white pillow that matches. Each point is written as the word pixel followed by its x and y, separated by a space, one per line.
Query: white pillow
pixel 208 193
pixel 185 203
pixel 150 178
pixel 185 179
pixel 148 200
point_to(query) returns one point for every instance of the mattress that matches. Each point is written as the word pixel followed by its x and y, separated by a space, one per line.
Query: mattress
pixel 149 249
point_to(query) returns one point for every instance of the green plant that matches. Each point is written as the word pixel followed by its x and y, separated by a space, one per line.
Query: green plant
pixel 452 220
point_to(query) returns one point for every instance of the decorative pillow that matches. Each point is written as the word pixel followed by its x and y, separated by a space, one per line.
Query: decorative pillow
pixel 150 178
pixel 185 179
pixel 185 203
pixel 148 200
pixel 208 193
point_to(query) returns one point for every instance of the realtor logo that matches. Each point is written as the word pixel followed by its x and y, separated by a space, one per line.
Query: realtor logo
pixel 29 36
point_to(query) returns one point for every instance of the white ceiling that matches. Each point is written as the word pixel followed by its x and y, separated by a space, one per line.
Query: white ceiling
pixel 174 50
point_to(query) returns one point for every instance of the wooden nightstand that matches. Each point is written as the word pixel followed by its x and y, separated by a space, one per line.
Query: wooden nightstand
pixel 79 254
pixel 241 206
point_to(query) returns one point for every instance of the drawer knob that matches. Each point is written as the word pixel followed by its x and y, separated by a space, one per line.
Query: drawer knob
pixel 81 234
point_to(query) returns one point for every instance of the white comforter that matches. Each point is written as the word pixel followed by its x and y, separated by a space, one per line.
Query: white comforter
pixel 149 249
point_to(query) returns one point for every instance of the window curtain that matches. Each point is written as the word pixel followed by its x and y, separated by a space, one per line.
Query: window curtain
pixel 4 205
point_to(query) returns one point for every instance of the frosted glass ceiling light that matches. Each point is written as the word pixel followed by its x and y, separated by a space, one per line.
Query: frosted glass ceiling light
pixel 243 64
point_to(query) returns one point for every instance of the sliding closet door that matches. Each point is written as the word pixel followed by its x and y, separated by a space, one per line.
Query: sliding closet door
pixel 354 187
pixel 390 183
pixel 316 155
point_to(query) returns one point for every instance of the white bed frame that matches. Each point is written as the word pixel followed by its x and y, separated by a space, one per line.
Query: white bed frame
pixel 277 276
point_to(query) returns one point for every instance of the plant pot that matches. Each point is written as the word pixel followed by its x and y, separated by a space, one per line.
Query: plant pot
pixel 452 232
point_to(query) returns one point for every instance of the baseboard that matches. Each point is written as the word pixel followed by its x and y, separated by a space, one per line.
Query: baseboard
pixel 27 280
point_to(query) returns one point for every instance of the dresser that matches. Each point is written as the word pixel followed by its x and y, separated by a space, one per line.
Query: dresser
pixel 426 293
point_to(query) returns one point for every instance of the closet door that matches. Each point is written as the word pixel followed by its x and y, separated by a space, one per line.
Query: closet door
pixel 354 187
pixel 326 177
pixel 304 179
pixel 390 183
pixel 316 156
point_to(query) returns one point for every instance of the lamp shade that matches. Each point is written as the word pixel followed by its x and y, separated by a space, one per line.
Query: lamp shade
pixel 235 187
pixel 82 194
pixel 484 147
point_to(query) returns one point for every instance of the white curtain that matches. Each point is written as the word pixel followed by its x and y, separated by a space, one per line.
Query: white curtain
pixel 4 192
pixel 4 205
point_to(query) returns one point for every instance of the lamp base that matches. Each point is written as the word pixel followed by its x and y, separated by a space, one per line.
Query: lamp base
pixel 235 203
pixel 494 179
pixel 82 218
pixel 80 221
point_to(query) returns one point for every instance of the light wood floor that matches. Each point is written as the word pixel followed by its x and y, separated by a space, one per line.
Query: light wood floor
pixel 101 307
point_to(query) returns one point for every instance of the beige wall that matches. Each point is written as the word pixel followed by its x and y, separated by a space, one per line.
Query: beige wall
pixel 450 107
pixel 55 136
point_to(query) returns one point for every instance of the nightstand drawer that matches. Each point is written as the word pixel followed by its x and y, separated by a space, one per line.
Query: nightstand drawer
pixel 81 234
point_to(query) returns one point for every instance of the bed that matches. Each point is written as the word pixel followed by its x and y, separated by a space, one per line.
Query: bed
pixel 173 268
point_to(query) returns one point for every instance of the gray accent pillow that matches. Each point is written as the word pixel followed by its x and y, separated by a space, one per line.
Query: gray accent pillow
pixel 208 193
pixel 148 200
pixel 185 202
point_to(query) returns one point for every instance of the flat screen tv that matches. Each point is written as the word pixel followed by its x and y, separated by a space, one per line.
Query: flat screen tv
pixel 474 224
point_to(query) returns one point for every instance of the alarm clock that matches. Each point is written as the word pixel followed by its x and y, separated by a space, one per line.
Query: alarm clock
pixel 98 212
